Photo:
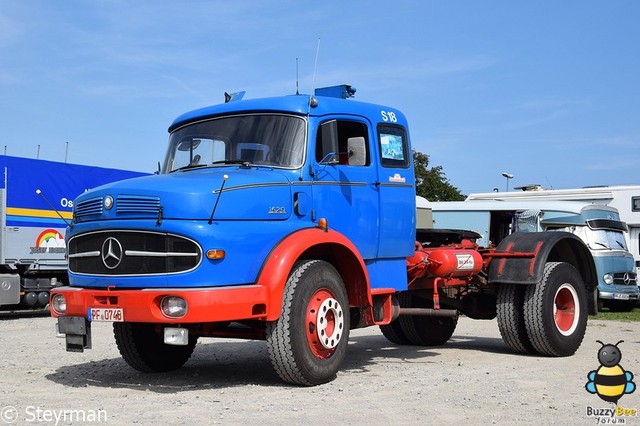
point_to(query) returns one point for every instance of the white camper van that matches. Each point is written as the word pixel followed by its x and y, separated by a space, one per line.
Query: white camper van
pixel 625 198
pixel 597 225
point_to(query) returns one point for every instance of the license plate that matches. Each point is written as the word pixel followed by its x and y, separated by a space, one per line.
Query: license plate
pixel 618 296
pixel 106 314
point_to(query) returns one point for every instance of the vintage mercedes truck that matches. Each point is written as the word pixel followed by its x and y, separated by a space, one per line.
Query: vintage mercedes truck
pixel 293 220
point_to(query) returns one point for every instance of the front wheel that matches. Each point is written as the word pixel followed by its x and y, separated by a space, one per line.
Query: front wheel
pixel 308 343
pixel 556 310
pixel 142 347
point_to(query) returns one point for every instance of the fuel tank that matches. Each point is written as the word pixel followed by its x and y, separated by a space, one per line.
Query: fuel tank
pixel 449 261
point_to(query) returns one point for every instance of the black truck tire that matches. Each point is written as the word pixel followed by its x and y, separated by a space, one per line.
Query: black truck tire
pixel 308 343
pixel 393 331
pixel 426 330
pixel 556 310
pixel 510 316
pixel 143 348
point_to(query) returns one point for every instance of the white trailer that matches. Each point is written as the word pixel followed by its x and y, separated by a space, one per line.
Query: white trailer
pixel 36 198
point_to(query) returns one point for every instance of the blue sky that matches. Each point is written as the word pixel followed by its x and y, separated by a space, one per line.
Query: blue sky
pixel 548 91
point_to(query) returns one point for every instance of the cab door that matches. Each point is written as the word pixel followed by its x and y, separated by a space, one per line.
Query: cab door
pixel 396 188
pixel 344 182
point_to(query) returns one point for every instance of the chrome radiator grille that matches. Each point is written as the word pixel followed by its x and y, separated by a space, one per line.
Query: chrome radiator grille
pixel 132 253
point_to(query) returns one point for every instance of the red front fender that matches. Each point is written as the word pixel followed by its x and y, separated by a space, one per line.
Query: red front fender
pixel 314 243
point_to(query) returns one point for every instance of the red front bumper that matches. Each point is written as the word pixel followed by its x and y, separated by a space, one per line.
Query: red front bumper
pixel 212 304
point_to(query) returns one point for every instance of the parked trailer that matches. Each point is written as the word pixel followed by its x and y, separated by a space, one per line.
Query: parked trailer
pixel 598 226
pixel 32 246
pixel 293 220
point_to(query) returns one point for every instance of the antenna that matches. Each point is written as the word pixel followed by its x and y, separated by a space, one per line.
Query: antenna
pixel 224 179
pixel 315 67
pixel 313 102
pixel 69 224
pixel 297 78
pixel 549 182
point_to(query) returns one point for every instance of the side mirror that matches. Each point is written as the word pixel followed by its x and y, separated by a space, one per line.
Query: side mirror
pixel 357 151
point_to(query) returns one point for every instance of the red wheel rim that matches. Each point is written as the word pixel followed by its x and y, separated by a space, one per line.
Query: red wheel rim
pixel 325 323
pixel 565 309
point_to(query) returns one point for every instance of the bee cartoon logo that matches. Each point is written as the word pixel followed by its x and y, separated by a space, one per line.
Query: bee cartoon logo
pixel 610 381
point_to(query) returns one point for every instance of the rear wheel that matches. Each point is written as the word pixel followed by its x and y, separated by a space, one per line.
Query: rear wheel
pixel 426 330
pixel 143 347
pixel 556 310
pixel 393 331
pixel 307 344
pixel 510 315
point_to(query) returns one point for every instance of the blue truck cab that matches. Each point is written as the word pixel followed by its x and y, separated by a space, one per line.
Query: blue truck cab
pixel 248 189
pixel 240 177
pixel 598 226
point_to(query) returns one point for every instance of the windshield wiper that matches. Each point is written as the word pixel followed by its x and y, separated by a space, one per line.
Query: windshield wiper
pixel 187 167
pixel 243 163
pixel 601 244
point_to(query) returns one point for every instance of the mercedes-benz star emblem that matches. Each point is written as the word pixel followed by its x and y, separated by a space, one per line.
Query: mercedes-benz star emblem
pixel 111 253
pixel 626 279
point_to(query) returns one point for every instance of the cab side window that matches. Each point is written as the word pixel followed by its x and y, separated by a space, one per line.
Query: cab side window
pixel 343 142
pixel 394 147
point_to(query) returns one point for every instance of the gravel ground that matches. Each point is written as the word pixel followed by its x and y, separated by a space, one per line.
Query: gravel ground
pixel 473 379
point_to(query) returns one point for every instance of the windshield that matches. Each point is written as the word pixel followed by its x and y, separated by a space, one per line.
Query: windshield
pixel 606 239
pixel 528 221
pixel 597 239
pixel 257 139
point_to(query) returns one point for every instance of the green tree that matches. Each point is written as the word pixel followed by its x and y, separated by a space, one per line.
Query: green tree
pixel 431 183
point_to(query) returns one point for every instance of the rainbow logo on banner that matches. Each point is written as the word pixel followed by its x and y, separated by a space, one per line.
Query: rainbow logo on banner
pixel 50 238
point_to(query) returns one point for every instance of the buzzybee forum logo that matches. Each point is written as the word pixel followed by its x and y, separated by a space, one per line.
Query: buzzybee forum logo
pixel 610 382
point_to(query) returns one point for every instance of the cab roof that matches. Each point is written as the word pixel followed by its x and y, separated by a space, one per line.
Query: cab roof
pixel 293 104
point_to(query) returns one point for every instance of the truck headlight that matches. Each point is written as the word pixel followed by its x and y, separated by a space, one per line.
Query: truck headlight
pixel 173 306
pixel 59 304
pixel 608 279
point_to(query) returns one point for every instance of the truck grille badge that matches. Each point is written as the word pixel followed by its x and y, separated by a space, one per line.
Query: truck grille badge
pixel 111 253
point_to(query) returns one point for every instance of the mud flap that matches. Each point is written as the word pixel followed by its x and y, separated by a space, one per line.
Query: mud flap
pixel 77 331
